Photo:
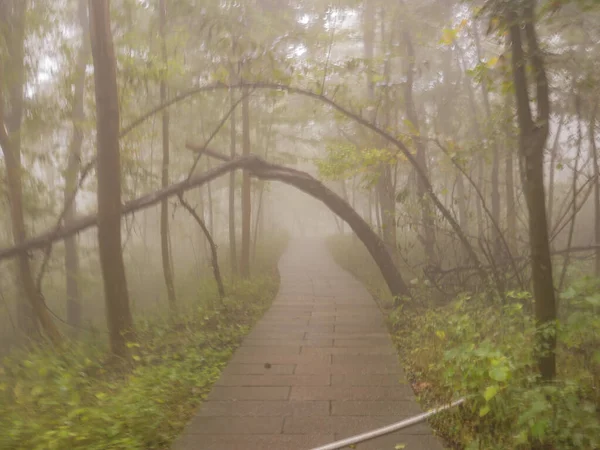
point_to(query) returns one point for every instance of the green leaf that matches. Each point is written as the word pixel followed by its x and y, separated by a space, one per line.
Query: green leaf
pixel 593 300
pixel 490 392
pixel 399 446
pixel 484 410
pixel 499 373
pixel 568 294
pixel 539 429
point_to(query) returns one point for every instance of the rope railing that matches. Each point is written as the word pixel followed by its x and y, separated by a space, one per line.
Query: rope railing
pixel 387 429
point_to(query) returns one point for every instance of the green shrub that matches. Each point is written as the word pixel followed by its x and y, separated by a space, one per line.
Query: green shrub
pixel 72 398
pixel 479 348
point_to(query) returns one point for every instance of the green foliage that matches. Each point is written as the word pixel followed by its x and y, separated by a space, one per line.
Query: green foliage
pixel 71 399
pixel 345 160
pixel 473 347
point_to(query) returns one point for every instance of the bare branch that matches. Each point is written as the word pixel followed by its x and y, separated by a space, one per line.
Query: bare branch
pixel 211 242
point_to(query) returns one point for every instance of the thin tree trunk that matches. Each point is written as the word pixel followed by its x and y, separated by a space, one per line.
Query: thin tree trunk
pixel 594 150
pixel 213 246
pixel 553 154
pixel 421 157
pixel 232 154
pixel 259 213
pixel 462 203
pixel 345 197
pixel 511 210
pixel 387 201
pixel 495 176
pixel 32 310
pixel 532 140
pixel 202 208
pixel 164 206
pixel 211 212
pixel 72 172
pixel 509 141
pixel 567 258
pixel 378 213
pixel 478 135
pixel 118 312
pixel 246 194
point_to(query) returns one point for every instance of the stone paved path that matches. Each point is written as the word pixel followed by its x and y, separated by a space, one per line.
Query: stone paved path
pixel 319 366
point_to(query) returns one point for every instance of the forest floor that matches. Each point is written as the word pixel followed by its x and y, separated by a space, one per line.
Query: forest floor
pixel 69 398
pixel 318 367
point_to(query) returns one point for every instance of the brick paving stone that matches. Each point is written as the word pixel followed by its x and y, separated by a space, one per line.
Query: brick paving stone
pixel 353 379
pixel 389 367
pixel 374 393
pixel 236 425
pixel 301 342
pixel 264 408
pixel 368 342
pixel 319 366
pixel 275 380
pixel 316 351
pixel 253 369
pixel 249 393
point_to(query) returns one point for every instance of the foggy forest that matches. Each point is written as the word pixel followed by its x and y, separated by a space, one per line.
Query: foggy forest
pixel 282 224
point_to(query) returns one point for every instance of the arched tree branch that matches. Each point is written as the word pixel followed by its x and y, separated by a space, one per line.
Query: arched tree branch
pixel 259 168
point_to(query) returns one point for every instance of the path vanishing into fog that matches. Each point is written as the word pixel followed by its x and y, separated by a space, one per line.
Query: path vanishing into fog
pixel 319 366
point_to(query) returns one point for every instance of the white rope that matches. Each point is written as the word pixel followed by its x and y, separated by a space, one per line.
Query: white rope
pixel 387 429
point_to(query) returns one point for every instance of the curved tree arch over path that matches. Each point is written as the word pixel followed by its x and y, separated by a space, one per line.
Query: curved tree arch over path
pixel 259 168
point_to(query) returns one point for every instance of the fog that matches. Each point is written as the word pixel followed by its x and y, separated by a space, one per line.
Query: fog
pixel 320 200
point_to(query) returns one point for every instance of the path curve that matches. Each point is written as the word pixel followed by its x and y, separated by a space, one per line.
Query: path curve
pixel 318 367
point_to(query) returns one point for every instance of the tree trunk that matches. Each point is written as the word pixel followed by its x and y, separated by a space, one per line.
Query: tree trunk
pixel 72 173
pixel 384 187
pixel 211 242
pixel 532 140
pixel 258 219
pixel 118 313
pixel 421 157
pixel 553 154
pixel 574 208
pixel 211 211
pixel 232 231
pixel 594 150
pixel 476 130
pixel 463 217
pixel 495 178
pixel 164 206
pixel 387 203
pixel 509 142
pixel 32 310
pixel 511 210
pixel 246 194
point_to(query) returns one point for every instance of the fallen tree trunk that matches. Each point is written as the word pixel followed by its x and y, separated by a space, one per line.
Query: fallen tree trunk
pixel 259 168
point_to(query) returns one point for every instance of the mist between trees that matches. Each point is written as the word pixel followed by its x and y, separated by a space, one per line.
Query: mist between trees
pixel 148 145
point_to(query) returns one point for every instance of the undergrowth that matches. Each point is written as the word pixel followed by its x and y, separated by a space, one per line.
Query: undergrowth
pixel 71 398
pixel 482 349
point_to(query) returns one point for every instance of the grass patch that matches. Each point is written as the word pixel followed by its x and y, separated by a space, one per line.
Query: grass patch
pixel 71 399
